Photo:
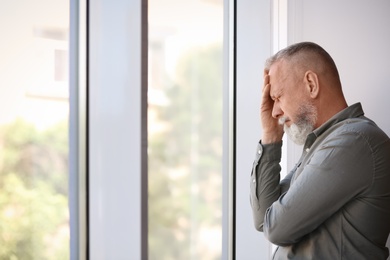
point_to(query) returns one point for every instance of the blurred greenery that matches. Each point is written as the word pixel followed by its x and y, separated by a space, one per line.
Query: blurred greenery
pixel 185 162
pixel 34 218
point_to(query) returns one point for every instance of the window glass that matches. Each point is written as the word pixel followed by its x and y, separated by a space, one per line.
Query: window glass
pixel 34 218
pixel 185 129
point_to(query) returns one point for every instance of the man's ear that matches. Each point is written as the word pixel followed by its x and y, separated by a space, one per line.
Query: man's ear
pixel 312 83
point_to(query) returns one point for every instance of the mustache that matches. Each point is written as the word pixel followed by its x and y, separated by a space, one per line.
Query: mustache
pixel 283 120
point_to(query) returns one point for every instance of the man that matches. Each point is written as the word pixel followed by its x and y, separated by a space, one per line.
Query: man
pixel 335 203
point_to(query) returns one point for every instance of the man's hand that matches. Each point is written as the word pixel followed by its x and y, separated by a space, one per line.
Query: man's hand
pixel 272 130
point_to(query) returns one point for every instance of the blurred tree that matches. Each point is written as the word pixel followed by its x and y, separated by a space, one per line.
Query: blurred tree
pixel 34 218
pixel 185 162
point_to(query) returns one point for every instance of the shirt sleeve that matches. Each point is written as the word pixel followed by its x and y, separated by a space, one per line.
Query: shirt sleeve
pixel 265 177
pixel 337 172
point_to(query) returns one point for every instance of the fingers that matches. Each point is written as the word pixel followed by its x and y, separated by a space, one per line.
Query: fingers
pixel 266 72
pixel 266 87
pixel 266 101
pixel 266 104
pixel 272 130
pixel 265 80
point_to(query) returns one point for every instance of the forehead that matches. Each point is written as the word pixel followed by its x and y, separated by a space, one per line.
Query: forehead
pixel 278 77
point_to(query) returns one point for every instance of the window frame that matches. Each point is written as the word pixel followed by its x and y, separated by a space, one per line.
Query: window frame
pixel 91 191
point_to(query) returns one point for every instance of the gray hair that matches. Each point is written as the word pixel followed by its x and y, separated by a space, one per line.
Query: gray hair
pixel 308 55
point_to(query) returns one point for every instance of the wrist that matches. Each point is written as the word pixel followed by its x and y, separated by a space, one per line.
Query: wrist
pixel 269 139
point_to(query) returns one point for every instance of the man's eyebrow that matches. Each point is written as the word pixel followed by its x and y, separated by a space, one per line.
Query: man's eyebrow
pixel 275 95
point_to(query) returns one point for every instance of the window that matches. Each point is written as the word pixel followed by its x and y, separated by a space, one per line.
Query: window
pixel 34 215
pixel 188 194
pixel 185 134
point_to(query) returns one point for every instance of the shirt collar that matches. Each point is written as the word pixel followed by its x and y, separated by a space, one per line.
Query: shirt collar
pixel 352 111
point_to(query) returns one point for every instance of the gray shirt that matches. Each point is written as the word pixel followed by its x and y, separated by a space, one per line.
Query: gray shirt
pixel 335 203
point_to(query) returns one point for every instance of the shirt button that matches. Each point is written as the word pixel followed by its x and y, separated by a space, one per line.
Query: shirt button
pixel 254 181
pixel 259 151
pixel 307 150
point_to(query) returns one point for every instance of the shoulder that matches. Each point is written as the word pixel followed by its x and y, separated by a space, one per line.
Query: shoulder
pixel 360 136
pixel 359 127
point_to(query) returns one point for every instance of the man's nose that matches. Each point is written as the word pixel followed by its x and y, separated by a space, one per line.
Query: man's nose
pixel 276 110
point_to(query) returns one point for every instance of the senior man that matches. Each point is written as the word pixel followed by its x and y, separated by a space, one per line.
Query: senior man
pixel 335 203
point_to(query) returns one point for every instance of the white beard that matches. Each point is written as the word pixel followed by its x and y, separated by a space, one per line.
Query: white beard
pixel 299 131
